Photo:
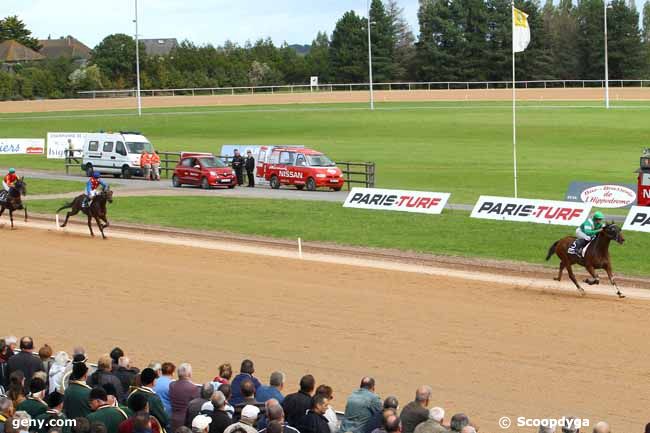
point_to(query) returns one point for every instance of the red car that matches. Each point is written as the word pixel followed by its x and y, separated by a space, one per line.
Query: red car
pixel 204 170
pixel 301 167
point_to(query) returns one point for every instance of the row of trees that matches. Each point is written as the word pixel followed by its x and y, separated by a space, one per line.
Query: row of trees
pixel 464 40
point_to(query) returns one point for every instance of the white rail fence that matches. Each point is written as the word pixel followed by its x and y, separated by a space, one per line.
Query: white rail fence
pixel 408 86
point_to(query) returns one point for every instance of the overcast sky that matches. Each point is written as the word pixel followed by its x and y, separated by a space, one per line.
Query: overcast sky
pixel 201 21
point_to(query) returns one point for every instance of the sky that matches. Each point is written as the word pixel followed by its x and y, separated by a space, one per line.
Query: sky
pixel 200 21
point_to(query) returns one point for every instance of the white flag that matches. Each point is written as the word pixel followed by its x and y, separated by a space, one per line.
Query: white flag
pixel 520 31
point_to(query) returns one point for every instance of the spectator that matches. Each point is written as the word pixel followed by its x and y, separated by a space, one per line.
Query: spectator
pixel 98 427
pixel 57 370
pixel 156 367
pixel 12 343
pixel 390 406
pixel 226 389
pixel 602 427
pixel 104 375
pixel 80 425
pixel 384 414
pixel 435 422
pixel 201 424
pixel 25 361
pixel 275 414
pixel 330 414
pixel 570 425
pixel 147 389
pixel 54 412
pixel 6 411
pixel 220 418
pixel 362 408
pixel 297 404
pixel 16 387
pixel 546 429
pixel 34 404
pixel 45 354
pixel 5 354
pixel 111 393
pixel 145 164
pixel 195 405
pixel 276 427
pixel 314 421
pixel 273 390
pixel 162 385
pixel 103 412
pixel 181 392
pixel 115 355
pixel 468 429
pixel 245 372
pixel 140 421
pixel 20 419
pixel 75 398
pixel 125 373
pixel 249 164
pixel 155 166
pixel 225 373
pixel 238 165
pixel 246 424
pixel 263 420
pixel 392 424
pixel 78 356
pixel 416 411
pixel 248 394
pixel 458 422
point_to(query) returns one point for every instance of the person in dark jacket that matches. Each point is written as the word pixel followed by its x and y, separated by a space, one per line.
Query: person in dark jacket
pixel 34 404
pixel 75 398
pixel 237 164
pixel 103 375
pixel 220 418
pixel 297 404
pixel 181 392
pixel 195 405
pixel 24 361
pixel 156 408
pixel 314 421
pixel 250 168
pixel 416 411
pixel 126 374
pixel 246 371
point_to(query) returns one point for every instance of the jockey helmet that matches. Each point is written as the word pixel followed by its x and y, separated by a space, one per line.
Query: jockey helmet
pixel 96 174
pixel 12 170
pixel 599 216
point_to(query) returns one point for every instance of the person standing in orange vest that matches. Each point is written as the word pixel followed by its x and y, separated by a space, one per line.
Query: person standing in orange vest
pixel 155 166
pixel 145 164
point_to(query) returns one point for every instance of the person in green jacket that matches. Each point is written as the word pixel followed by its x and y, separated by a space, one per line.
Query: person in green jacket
pixel 75 399
pixel 148 379
pixel 103 412
pixel 587 232
pixel 54 416
pixel 112 398
pixel 34 404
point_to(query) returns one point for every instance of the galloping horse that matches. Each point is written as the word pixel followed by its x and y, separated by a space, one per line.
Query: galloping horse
pixel 13 200
pixel 596 257
pixel 96 209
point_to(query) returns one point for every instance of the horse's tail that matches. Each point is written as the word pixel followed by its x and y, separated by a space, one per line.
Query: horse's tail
pixel 551 251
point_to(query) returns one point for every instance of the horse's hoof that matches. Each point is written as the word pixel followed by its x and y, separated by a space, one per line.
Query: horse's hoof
pixel 556 278
pixel 581 291
pixel 620 295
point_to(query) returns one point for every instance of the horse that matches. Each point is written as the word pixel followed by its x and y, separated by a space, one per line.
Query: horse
pixel 13 200
pixel 96 209
pixel 596 257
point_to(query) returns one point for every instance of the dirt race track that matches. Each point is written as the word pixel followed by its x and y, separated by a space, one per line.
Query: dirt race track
pixel 488 349
pixel 572 94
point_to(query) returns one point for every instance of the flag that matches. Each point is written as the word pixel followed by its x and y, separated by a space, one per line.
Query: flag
pixel 520 31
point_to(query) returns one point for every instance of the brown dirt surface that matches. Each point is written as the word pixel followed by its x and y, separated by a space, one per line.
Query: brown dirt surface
pixel 579 94
pixel 488 349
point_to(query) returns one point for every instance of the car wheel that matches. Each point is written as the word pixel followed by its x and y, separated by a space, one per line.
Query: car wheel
pixel 275 182
pixel 338 188
pixel 204 183
pixel 126 172
pixel 300 187
pixel 175 182
pixel 311 184
pixel 117 175
pixel 231 186
pixel 89 170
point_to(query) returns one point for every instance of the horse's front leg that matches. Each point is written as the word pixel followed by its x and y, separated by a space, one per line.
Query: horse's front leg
pixel 559 274
pixel 103 218
pixel 608 269
pixel 11 218
pixel 101 227
pixel 25 209
pixel 90 225
pixel 592 272
pixel 573 278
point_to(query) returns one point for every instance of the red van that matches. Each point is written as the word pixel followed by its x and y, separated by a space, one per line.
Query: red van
pixel 298 166
pixel 203 170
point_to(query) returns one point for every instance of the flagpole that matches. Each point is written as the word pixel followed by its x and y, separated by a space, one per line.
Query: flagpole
pixel 514 99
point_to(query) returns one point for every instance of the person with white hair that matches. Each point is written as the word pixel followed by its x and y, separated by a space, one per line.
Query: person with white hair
pixel 434 423
pixel 21 421
pixel 57 370
pixel 602 427
pixel 546 429
pixel 181 392
pixel 6 411
pixel 468 429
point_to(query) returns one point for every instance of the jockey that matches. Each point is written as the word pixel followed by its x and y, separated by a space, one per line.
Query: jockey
pixel 9 180
pixel 91 187
pixel 590 228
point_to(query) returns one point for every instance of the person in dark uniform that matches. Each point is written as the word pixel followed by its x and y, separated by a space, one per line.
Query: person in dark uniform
pixel 250 168
pixel 148 378
pixel 75 399
pixel 238 165
pixel 103 412
pixel 54 412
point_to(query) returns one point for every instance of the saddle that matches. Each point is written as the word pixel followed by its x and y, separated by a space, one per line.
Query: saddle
pixel 3 196
pixel 579 248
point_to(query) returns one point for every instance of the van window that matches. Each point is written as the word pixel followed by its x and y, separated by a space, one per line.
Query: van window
pixel 108 146
pixel 275 158
pixel 119 148
pixel 287 158
pixel 188 162
pixel 300 160
pixel 93 146
pixel 138 147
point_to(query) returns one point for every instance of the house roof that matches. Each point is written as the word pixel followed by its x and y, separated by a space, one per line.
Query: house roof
pixel 12 52
pixel 67 47
pixel 159 47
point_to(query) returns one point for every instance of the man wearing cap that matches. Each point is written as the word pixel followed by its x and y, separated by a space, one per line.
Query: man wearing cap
pixel 34 404
pixel 8 182
pixel 25 361
pixel 103 412
pixel 75 399
pixel 53 413
pixel 249 416
pixel 148 379
pixel 587 231
pixel 201 424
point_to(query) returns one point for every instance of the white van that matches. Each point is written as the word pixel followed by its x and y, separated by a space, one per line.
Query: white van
pixel 114 153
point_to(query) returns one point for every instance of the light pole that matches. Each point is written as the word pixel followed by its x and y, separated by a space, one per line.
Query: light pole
pixel 606 61
pixel 372 93
pixel 137 60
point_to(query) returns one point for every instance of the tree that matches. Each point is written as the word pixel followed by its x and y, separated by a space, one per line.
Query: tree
pixel 383 43
pixel 590 41
pixel 561 27
pixel 404 43
pixel 646 34
pixel 13 28
pixel 625 47
pixel 115 56
pixel 349 49
pixel 317 60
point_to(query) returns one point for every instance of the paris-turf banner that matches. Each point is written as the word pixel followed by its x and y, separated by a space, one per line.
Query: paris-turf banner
pixel 564 213
pixel 397 200
pixel 638 220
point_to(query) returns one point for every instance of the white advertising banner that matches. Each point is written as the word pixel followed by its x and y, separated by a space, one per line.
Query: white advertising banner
pixel 638 220
pixel 22 146
pixel 59 142
pixel 564 213
pixel 397 200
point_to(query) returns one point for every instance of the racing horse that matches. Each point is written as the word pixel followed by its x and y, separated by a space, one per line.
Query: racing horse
pixel 96 209
pixel 13 200
pixel 596 257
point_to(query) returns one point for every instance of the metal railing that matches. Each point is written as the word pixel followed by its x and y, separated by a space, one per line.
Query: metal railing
pixel 330 88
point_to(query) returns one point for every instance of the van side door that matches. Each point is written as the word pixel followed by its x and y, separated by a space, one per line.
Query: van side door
pixel 260 164
pixel 121 157
pixel 93 151
pixel 288 173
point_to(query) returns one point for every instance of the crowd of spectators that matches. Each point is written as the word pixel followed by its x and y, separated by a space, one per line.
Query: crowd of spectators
pixel 115 397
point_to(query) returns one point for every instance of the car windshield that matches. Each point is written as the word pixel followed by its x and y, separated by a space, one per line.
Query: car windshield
pixel 320 160
pixel 139 146
pixel 211 162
